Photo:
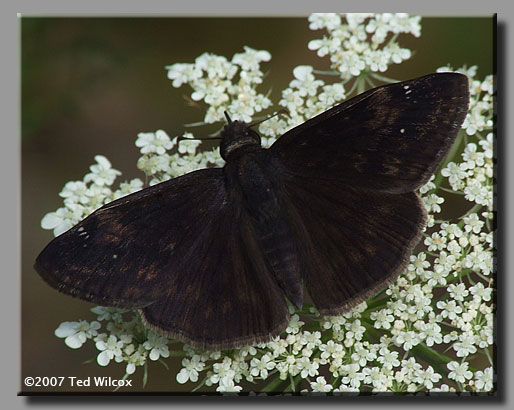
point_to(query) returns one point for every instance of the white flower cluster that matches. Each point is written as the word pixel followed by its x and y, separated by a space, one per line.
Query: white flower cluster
pixel 366 42
pixel 83 197
pixel 160 164
pixel 126 341
pixel 420 334
pixel 473 176
pixel 225 85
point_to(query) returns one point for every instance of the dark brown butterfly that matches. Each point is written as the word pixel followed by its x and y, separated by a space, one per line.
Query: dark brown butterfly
pixel 211 256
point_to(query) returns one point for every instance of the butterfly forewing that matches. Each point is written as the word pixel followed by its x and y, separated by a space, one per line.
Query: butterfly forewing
pixel 390 138
pixel 125 253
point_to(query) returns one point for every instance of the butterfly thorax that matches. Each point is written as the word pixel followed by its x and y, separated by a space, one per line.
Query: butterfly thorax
pixel 237 138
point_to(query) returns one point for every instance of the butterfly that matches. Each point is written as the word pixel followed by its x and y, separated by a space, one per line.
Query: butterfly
pixel 329 210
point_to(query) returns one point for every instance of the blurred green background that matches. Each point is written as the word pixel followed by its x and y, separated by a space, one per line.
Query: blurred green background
pixel 90 85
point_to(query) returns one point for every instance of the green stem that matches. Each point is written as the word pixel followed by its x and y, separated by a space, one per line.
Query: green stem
pixel 432 357
pixel 164 364
pixel 195 124
pixel 145 374
pixel 200 385
pixel 375 304
pixel 273 385
pixel 123 378
pixel 451 191
pixel 383 78
pixel 177 353
pixel 474 209
pixel 370 82
pixel 294 382
pixel 486 350
pixel 361 83
pixel 321 72
pixel 354 86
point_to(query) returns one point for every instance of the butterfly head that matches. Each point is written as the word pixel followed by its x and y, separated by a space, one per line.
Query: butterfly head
pixel 237 137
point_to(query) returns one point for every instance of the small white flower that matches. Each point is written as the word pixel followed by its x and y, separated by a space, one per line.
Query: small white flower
pixel 157 345
pixel 227 385
pixel 324 20
pixel 431 333
pixel 109 349
pixel 250 60
pixel 407 339
pixel 183 73
pixel 418 263
pixel 432 203
pixel 188 146
pixel 294 324
pixel 330 349
pixel 436 242
pixel 427 377
pixel 388 358
pixel 75 192
pixel 63 219
pixel 480 292
pixel 458 292
pixel 260 368
pixel 466 346
pixel 473 157
pixel 363 353
pixel 135 357
pixel 102 172
pixel 375 376
pixel 305 81
pixel 190 370
pixel 382 319
pixel 320 385
pixel 307 367
pixel 450 309
pixel 456 174
pixel 75 334
pixel 459 371
pixel 487 146
pixel 158 142
pixel 484 380
pixel 215 66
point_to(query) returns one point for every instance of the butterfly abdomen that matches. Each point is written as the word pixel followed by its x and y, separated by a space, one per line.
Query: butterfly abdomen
pixel 250 175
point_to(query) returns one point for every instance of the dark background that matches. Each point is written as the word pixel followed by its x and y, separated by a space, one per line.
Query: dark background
pixel 90 85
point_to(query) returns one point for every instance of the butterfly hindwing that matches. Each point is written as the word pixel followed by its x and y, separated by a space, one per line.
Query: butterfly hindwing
pixel 352 242
pixel 390 138
pixel 224 295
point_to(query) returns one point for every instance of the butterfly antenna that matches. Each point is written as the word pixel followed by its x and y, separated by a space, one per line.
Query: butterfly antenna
pixel 182 138
pixel 281 111
pixel 227 117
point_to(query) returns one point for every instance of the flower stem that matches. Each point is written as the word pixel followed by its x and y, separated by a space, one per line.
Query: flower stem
pixel 273 385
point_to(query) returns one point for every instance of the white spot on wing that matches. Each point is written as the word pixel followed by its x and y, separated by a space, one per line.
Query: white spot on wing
pixel 402 130
pixel 81 229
